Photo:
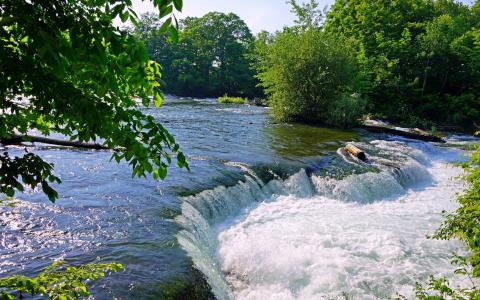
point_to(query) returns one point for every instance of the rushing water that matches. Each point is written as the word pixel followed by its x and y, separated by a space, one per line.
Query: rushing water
pixel 268 211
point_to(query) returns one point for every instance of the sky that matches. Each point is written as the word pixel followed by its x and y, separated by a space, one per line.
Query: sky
pixel 259 15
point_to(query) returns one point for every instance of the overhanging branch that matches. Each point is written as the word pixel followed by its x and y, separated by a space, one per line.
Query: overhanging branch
pixel 18 139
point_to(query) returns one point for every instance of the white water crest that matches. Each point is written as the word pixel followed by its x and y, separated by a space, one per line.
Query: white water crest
pixel 362 236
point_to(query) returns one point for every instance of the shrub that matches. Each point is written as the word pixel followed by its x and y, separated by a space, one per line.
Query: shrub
pixel 346 110
pixel 311 83
pixel 236 100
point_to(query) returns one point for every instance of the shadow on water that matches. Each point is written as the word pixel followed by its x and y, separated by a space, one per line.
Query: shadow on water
pixel 299 142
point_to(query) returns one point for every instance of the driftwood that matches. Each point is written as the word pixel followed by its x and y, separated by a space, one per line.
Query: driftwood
pixel 353 150
pixel 18 139
pixel 419 131
pixel 423 136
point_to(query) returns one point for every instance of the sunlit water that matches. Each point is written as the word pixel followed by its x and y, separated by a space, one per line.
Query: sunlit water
pixel 268 211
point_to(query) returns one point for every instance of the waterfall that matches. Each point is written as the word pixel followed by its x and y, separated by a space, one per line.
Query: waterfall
pixel 218 224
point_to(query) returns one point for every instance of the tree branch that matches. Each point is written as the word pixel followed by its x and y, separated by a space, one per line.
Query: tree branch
pixel 18 139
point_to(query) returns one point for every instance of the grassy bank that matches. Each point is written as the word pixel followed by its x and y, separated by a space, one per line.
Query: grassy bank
pixel 236 100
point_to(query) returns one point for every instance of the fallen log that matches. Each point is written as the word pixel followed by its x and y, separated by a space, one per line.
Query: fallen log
pixel 408 134
pixel 419 131
pixel 18 139
pixel 353 150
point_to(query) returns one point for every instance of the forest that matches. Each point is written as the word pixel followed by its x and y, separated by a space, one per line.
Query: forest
pixel 409 62
pixel 265 196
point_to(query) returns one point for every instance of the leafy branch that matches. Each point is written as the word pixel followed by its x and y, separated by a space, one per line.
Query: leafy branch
pixel 66 69
pixel 60 281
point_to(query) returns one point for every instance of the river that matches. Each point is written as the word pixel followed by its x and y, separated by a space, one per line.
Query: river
pixel 268 211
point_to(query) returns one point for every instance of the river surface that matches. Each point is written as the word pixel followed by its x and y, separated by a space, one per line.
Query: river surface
pixel 268 211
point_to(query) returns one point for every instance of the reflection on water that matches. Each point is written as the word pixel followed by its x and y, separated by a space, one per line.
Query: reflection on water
pixel 297 141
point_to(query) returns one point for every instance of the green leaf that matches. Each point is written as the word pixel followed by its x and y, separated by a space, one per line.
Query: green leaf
pixel 24 40
pixel 162 172
pixel 157 100
pixel 174 33
pixel 178 4
pixel 181 160
pixel 166 11
pixel 166 25
pixel 124 16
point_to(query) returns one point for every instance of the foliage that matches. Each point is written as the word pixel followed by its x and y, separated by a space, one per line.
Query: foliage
pixel 464 223
pixel 440 288
pixel 210 59
pixel 309 15
pixel 236 100
pixel 346 110
pixel 417 62
pixel 66 69
pixel 261 49
pixel 421 55
pixel 59 281
pixel 312 83
pixel 31 169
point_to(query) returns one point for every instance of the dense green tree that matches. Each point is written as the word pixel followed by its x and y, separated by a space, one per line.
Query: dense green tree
pixel 259 57
pixel 308 14
pixel 313 83
pixel 159 45
pixel 411 53
pixel 67 69
pixel 210 59
pixel 261 47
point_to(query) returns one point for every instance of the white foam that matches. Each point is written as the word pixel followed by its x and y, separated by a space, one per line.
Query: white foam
pixel 360 237
pixel 363 188
pixel 321 246
pixel 212 207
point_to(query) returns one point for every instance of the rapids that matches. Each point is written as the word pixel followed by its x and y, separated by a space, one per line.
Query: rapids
pixel 328 236
pixel 268 211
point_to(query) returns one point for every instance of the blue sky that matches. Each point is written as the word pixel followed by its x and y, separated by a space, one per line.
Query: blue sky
pixel 259 15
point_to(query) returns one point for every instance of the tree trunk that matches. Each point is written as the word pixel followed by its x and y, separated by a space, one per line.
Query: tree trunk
pixel 445 79
pixel 425 77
